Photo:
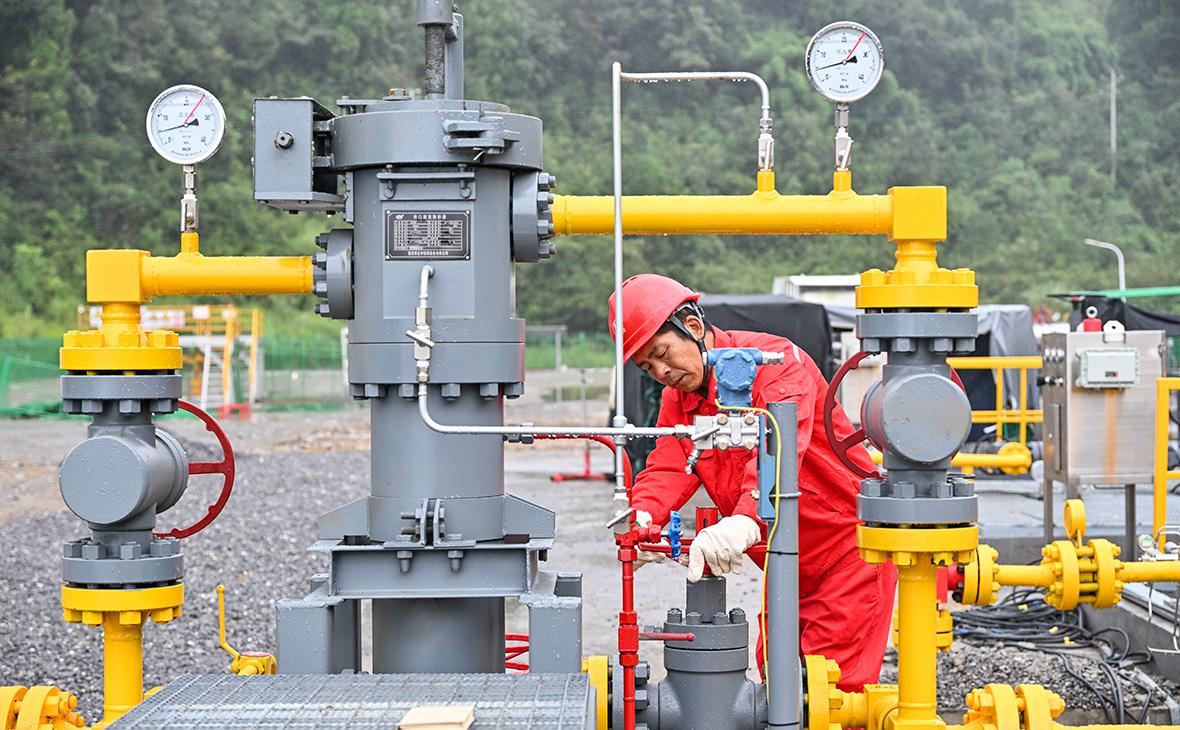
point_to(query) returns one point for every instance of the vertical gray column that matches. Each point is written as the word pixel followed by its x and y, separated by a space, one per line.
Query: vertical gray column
pixel 438 635
pixel 410 460
pixel 782 583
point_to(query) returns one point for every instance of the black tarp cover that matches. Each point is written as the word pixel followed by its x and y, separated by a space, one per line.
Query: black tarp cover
pixel 1132 317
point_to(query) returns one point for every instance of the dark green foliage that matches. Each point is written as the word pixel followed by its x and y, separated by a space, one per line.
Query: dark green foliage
pixel 1003 101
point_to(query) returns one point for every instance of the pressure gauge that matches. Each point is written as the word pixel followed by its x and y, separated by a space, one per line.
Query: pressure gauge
pixel 185 124
pixel 844 61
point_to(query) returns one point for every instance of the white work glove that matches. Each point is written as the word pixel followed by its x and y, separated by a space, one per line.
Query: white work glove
pixel 723 546
pixel 643 557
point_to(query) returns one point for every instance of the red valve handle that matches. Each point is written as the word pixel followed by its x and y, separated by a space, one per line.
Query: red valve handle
pixel 841 446
pixel 225 468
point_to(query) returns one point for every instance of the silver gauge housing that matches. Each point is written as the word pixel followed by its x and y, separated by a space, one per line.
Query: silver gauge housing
pixel 185 124
pixel 838 80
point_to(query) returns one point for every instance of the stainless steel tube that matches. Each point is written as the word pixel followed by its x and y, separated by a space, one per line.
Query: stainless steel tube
pixel 629 431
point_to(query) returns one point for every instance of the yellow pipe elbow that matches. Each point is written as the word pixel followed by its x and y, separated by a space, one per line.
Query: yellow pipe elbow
pixel 131 276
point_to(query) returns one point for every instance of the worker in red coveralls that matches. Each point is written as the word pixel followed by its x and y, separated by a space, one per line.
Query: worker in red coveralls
pixel 845 604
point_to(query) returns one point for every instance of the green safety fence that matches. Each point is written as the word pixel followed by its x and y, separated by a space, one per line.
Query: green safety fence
pixel 29 387
pixel 297 374
pixel 578 350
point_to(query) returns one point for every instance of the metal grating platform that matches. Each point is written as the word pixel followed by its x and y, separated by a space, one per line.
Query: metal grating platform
pixel 362 701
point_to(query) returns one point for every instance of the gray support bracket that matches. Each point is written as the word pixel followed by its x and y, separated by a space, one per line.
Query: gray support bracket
pixel 318 634
pixel 555 622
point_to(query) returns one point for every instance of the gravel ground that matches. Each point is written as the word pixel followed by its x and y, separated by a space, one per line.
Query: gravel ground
pixel 257 548
pixel 293 468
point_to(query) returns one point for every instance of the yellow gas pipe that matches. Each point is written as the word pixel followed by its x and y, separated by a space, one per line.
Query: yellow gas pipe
pixel 1071 571
pixel 122 658
pixel 917 649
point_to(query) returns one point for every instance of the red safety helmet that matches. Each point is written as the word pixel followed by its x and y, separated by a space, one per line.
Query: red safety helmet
pixel 649 300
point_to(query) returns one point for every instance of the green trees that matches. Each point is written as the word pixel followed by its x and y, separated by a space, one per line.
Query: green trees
pixel 1003 101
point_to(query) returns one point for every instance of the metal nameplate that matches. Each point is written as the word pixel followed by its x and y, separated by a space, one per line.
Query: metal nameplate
pixel 424 235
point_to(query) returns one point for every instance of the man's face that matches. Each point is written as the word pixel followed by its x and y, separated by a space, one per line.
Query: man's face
pixel 674 360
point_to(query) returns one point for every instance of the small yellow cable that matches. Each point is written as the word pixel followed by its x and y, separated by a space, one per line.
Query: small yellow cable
pixel 778 452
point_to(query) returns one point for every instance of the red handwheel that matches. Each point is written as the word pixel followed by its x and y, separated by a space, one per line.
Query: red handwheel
pixel 841 446
pixel 225 468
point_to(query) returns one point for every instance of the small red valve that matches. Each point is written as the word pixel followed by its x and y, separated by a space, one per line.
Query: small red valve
pixel 225 468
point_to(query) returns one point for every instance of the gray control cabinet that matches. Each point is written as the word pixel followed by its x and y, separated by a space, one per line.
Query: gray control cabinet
pixel 1098 395
pixel 1099 404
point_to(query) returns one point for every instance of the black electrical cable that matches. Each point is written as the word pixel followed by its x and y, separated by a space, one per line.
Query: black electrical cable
pixel 1023 618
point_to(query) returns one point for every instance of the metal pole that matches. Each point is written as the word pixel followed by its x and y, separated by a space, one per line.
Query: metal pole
pixel 1131 518
pixel 620 420
pixel 1118 252
pixel 1114 141
pixel 784 704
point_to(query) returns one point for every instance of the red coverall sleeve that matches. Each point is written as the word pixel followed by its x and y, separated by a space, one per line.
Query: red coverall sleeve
pixel 779 389
pixel 663 486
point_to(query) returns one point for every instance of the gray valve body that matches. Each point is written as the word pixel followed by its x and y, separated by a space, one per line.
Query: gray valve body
pixel 119 478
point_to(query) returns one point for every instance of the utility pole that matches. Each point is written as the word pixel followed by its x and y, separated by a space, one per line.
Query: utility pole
pixel 1114 142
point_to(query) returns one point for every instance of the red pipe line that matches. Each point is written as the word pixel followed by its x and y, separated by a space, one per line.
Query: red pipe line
pixel 665 548
pixel 607 442
pixel 661 636
pixel 518 666
pixel 517 637
pixel 628 619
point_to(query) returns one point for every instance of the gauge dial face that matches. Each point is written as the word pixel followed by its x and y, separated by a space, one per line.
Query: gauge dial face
pixel 845 61
pixel 185 124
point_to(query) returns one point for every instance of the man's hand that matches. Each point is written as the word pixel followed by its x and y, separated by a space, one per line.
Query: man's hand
pixel 643 557
pixel 723 546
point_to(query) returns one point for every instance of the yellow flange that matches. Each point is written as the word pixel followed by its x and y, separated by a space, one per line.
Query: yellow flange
pixel 1088 573
pixel 945 544
pixel 1025 707
pixel 598 669
pixel 944 625
pixel 87 605
pixel 822 676
pixel 100 351
pixel 937 289
pixel 979 577
pixel 38 708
